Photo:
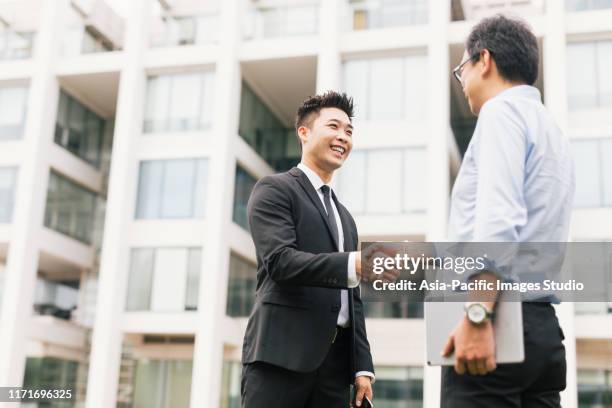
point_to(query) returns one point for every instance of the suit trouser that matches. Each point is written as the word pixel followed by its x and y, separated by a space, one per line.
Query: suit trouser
pixel 534 383
pixel 267 386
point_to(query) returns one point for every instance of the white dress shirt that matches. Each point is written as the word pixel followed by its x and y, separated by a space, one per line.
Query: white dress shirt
pixel 343 315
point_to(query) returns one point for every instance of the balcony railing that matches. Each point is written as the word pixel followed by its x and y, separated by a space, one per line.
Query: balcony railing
pixel 580 5
pixel 477 9
pixel 286 20
pixel 55 299
pixel 16 45
pixel 371 14
pixel 185 30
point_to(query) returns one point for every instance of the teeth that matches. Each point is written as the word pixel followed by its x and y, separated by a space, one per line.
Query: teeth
pixel 338 149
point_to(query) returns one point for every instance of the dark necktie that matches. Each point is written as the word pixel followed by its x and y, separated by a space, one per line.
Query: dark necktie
pixel 330 213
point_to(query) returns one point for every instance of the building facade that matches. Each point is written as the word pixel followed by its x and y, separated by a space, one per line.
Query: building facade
pixel 130 142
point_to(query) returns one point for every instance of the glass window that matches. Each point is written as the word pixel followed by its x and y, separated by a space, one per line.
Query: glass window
pixel 588 83
pixel 13 101
pixel 70 208
pixel 594 388
pixel 360 188
pixel 172 188
pixel 261 129
pixel 383 165
pixel 269 21
pixel 388 88
pixel 15 45
pixel 48 373
pixel 230 384
pixel 194 265
pixel 606 154
pixel 398 387
pixel 242 191
pixel 179 102
pixel 79 130
pixel 8 181
pixel 162 383
pixel 387 13
pixel 588 173
pixel 580 5
pixel 240 287
pixel 140 279
pixel 351 179
pixel 164 279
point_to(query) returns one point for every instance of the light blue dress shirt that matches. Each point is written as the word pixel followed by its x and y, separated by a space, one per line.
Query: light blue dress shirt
pixel 516 182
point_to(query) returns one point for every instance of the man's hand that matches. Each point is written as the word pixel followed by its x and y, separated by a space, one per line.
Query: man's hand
pixel 365 272
pixel 363 385
pixel 474 347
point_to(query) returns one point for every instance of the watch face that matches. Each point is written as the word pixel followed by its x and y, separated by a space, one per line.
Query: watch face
pixel 476 313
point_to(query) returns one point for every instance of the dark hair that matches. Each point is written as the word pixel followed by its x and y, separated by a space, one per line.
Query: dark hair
pixel 512 45
pixel 310 108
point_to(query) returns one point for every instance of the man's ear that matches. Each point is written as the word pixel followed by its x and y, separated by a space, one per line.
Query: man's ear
pixel 303 133
pixel 487 63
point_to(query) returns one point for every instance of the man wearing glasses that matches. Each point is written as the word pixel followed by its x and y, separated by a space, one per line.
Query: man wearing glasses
pixel 516 184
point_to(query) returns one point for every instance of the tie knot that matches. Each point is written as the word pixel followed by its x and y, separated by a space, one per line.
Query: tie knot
pixel 325 189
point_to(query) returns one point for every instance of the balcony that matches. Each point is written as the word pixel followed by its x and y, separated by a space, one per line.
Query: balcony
pixel 478 9
pixel 58 299
pixel 92 27
pixel 581 5
pixel 373 14
pixel 274 19
pixel 18 22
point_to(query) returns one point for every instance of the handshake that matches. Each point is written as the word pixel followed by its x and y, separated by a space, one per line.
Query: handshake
pixel 365 259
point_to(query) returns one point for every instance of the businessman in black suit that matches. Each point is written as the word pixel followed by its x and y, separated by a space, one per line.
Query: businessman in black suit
pixel 306 341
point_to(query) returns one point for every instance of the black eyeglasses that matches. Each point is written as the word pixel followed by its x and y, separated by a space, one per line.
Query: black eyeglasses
pixel 457 71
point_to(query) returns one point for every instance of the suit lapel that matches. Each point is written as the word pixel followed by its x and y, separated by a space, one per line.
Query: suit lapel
pixel 346 225
pixel 314 197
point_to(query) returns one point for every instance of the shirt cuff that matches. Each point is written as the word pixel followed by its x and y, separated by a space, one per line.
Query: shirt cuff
pixel 366 374
pixel 353 282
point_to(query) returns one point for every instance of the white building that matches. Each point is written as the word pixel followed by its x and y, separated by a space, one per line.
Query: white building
pixel 129 145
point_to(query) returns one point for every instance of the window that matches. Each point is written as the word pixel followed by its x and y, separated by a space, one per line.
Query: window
pixel 230 384
pixel 179 102
pixel 594 388
pixel 282 21
pixel 15 45
pixel 261 129
pixel 388 88
pixel 13 106
pixel 172 189
pixel 185 30
pixel 393 310
pixel 360 189
pixel 79 130
pixel 369 14
pixel 164 279
pixel 398 387
pixel 588 83
pixel 593 173
pixel 242 191
pixel 48 373
pixel 70 208
pixel 579 5
pixel 162 383
pixel 241 287
pixel 8 181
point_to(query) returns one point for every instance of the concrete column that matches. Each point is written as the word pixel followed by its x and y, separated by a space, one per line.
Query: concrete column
pixel 209 347
pixel 107 337
pixel 555 97
pixel 438 116
pixel 30 198
pixel 329 64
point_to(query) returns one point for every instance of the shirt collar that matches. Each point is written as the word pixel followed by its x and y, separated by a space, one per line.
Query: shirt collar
pixel 314 178
pixel 525 91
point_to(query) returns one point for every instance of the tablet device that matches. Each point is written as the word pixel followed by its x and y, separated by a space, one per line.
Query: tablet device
pixel 441 317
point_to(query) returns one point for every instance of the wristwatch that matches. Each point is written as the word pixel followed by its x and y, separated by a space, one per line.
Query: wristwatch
pixel 477 313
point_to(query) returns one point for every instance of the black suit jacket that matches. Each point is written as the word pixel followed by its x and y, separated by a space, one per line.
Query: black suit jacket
pixel 299 278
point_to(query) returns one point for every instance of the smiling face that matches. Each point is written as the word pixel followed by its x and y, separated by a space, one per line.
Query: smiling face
pixel 328 141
